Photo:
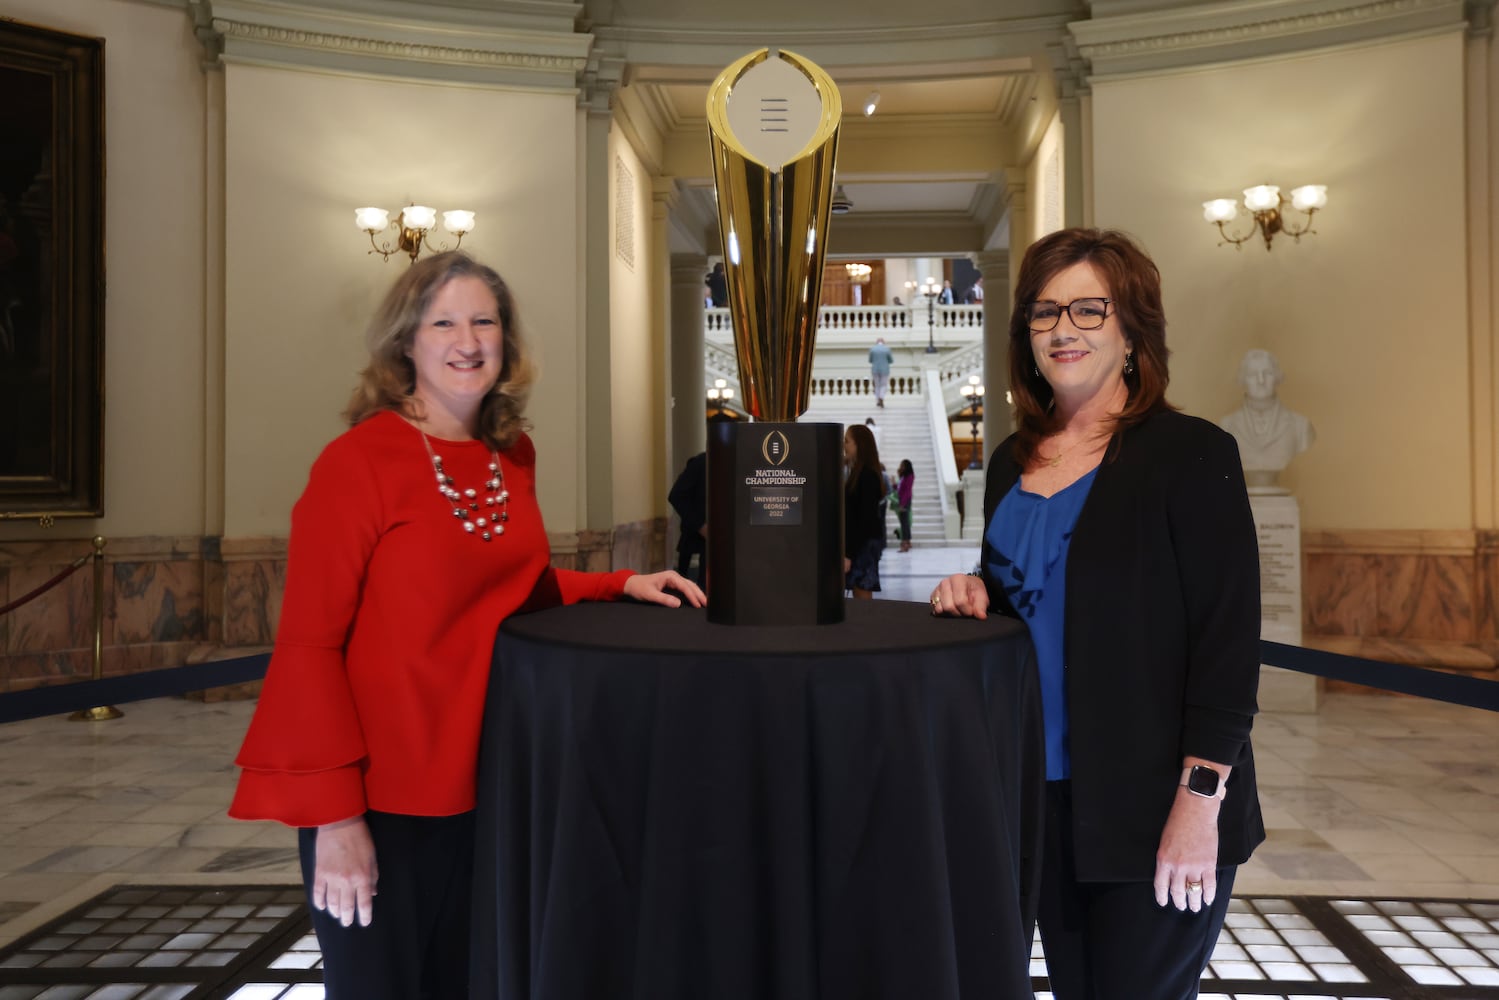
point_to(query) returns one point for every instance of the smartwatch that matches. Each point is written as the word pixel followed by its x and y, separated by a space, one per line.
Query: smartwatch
pixel 1203 781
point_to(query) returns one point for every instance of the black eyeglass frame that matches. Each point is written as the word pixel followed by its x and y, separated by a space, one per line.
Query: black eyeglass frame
pixel 1031 323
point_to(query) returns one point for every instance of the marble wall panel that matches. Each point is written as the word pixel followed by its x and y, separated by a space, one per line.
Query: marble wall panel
pixel 253 590
pixel 143 656
pixel 1425 596
pixel 1340 593
pixel 5 599
pixel 157 602
pixel 20 671
pixel 640 545
pixel 61 618
pixel 1486 588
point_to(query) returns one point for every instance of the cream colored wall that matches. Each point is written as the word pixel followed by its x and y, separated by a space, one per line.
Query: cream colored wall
pixel 637 367
pixel 303 150
pixel 154 226
pixel 1368 318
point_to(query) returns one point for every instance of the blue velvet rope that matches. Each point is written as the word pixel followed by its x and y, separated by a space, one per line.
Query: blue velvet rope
pixel 60 698
pixel 1419 681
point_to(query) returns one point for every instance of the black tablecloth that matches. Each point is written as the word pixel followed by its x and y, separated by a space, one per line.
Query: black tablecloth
pixel 685 810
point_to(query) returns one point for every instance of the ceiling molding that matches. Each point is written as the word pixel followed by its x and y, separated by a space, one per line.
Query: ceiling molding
pixel 849 52
pixel 1203 34
pixel 439 42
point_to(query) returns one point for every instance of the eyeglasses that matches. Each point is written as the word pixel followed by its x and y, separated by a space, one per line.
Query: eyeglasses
pixel 1086 314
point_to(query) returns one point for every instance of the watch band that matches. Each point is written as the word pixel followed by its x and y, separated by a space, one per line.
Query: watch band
pixel 1204 782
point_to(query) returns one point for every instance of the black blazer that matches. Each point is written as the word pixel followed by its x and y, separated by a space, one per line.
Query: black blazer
pixel 1161 637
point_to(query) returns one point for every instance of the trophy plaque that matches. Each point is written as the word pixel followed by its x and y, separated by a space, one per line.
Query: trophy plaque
pixel 775 487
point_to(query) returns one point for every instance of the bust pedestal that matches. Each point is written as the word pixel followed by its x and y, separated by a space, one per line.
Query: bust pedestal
pixel 1277 520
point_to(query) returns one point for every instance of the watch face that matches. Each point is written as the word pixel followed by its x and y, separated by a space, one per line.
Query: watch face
pixel 1203 781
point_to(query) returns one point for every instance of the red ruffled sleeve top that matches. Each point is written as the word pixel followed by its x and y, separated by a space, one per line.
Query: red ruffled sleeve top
pixel 376 685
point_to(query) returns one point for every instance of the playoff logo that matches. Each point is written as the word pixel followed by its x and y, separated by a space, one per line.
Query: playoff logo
pixel 776 448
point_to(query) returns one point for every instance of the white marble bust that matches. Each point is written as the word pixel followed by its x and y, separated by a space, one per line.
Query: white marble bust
pixel 1269 434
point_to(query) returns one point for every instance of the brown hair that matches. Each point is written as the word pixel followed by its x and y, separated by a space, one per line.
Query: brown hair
pixel 390 377
pixel 866 455
pixel 1134 285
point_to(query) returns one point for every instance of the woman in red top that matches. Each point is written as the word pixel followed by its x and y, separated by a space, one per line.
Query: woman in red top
pixel 418 533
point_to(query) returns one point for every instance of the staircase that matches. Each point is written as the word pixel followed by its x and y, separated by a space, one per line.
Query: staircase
pixel 902 432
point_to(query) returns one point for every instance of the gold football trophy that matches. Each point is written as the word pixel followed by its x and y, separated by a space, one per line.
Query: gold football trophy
pixel 775 504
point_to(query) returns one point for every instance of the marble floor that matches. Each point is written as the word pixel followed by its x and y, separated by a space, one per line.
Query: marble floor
pixel 1371 798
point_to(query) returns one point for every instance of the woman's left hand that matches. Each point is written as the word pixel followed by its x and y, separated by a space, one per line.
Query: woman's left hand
pixel 654 587
pixel 1186 863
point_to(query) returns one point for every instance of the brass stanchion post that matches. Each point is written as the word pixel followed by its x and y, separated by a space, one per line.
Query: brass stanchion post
pixel 100 712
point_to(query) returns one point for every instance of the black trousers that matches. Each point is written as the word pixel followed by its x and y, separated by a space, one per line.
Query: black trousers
pixel 416 948
pixel 1108 940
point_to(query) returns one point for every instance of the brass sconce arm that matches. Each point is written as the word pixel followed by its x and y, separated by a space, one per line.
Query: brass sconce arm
pixel 1265 204
pixel 413 227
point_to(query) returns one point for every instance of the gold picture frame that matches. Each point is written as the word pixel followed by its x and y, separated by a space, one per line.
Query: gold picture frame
pixel 51 274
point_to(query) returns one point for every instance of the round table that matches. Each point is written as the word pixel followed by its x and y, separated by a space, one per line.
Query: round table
pixel 674 809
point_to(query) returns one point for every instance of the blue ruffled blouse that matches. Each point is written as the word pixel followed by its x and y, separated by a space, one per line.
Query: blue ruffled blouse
pixel 1026 555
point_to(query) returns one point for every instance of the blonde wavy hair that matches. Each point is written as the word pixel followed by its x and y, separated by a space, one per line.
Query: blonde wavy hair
pixel 388 380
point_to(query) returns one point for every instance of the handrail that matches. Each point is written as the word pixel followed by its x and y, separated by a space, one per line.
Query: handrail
pixel 949 482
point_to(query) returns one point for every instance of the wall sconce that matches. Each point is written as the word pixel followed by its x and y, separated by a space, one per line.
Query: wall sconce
pixel 414 223
pixel 871 102
pixel 1264 203
pixel 858 273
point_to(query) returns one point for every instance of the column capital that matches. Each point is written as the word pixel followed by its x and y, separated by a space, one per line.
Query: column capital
pixel 688 268
pixel 992 263
pixel 598 81
pixel 664 196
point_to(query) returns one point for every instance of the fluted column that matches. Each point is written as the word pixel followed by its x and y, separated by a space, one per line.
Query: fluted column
pixel 688 429
pixel 596 456
pixel 664 199
pixel 994 265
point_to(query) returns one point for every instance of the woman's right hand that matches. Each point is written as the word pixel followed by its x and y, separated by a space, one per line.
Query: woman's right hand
pixel 344 872
pixel 963 595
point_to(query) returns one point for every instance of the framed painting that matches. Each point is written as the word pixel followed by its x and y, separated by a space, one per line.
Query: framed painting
pixel 51 274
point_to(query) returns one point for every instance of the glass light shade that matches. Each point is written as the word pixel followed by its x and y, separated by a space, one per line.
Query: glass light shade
pixel 1262 198
pixel 728 394
pixel 418 217
pixel 374 219
pixel 458 222
pixel 871 102
pixel 966 389
pixel 1309 196
pixel 712 393
pixel 1220 210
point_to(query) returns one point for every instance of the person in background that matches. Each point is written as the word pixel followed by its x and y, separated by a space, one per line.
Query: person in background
pixel 903 488
pixel 863 518
pixel 1120 531
pixel 945 297
pixel 417 535
pixel 689 498
pixel 718 286
pixel 975 292
pixel 880 358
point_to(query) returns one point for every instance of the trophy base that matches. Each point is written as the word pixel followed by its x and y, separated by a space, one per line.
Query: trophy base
pixel 775 524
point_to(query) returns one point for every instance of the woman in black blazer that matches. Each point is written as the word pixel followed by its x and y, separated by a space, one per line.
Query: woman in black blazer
pixel 1120 531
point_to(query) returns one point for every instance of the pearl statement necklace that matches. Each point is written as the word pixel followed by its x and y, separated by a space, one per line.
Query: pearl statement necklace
pixel 491 522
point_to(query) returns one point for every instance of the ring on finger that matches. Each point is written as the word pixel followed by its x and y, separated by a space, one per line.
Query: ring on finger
pixel 1194 886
